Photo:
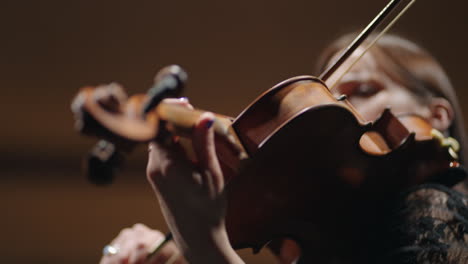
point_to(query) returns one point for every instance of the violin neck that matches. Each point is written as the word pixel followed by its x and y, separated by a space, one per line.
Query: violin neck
pixel 181 120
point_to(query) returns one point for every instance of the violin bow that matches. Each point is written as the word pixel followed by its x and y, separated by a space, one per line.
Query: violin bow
pixel 386 19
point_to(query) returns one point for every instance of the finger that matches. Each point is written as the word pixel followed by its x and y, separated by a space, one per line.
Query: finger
pixel 138 254
pixel 116 258
pixel 126 248
pixel 110 96
pixel 179 101
pixel 123 235
pixel 180 260
pixel 173 258
pixel 161 157
pixel 157 156
pixel 139 227
pixel 124 242
pixel 168 253
pixel 169 168
pixel 148 236
pixel 138 245
pixel 204 146
pixel 141 242
pixel 113 258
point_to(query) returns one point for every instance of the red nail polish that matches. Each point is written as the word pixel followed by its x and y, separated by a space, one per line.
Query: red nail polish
pixel 210 123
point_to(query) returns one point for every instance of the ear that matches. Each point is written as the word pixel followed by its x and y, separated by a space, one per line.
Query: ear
pixel 442 114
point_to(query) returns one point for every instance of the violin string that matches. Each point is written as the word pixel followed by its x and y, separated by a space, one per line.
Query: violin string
pixel 330 75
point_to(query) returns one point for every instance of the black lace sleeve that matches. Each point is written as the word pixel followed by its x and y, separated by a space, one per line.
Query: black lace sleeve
pixel 428 225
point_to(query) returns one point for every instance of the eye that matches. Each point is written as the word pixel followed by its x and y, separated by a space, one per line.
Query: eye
pixel 359 89
pixel 366 89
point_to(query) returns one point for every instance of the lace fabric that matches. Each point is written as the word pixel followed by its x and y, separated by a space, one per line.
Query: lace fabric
pixel 429 225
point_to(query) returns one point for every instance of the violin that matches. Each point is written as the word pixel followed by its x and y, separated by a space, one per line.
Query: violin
pixel 294 147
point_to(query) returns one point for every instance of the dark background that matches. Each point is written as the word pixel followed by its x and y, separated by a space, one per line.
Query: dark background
pixel 233 50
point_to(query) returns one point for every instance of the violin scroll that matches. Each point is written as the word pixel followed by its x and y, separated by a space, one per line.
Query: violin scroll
pixel 106 157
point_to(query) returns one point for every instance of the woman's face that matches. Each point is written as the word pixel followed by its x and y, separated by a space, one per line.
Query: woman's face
pixel 370 90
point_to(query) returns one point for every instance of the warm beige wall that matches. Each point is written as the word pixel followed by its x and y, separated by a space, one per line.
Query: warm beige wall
pixel 233 50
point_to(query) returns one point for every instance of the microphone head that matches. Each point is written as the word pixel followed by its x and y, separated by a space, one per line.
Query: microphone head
pixel 168 83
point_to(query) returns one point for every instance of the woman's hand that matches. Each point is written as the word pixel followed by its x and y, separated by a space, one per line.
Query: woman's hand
pixel 191 195
pixel 133 246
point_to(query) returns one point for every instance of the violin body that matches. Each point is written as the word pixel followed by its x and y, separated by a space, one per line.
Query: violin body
pixel 294 159
pixel 311 156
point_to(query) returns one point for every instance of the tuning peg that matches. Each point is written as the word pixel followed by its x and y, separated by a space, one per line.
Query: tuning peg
pixel 102 163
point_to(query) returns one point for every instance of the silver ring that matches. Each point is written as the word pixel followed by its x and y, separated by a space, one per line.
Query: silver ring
pixel 110 250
